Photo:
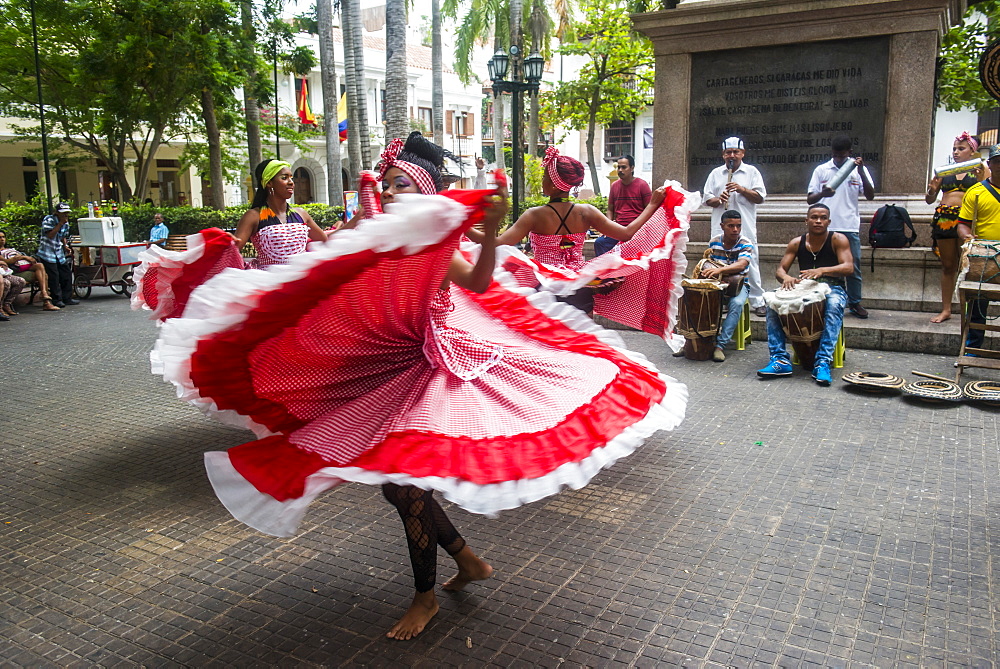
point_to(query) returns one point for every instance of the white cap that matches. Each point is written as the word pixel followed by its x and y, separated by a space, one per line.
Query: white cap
pixel 733 143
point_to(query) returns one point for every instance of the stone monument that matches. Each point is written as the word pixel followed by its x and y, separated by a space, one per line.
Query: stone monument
pixel 786 76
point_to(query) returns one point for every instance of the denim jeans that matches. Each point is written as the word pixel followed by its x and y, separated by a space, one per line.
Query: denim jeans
pixel 603 244
pixel 732 317
pixel 854 280
pixel 832 320
pixel 977 314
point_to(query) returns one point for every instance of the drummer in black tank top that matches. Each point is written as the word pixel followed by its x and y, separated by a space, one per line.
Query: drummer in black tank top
pixel 822 256
pixel 825 257
pixel 820 253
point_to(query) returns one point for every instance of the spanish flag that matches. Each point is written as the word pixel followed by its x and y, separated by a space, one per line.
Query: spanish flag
pixel 305 115
pixel 342 117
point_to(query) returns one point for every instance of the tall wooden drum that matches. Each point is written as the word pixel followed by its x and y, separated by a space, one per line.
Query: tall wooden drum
pixel 699 316
pixel 801 311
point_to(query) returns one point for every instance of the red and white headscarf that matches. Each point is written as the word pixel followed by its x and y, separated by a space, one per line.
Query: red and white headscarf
pixel 550 163
pixel 969 139
pixel 390 159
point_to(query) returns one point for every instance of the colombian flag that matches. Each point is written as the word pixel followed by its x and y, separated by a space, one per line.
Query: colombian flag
pixel 342 117
pixel 305 115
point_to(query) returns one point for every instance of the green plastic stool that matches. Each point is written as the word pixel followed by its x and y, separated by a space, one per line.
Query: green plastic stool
pixel 839 352
pixel 742 336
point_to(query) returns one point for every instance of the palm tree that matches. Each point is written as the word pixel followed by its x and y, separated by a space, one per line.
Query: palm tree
pixel 396 120
pixel 328 78
pixel 357 93
pixel 437 75
pixel 485 20
pixel 251 110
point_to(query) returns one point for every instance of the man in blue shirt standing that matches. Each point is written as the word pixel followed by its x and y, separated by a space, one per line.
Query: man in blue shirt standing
pixel 159 232
pixel 56 256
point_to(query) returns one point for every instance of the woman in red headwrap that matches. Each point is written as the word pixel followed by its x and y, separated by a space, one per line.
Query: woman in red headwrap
pixel 636 284
pixel 558 229
pixel 944 227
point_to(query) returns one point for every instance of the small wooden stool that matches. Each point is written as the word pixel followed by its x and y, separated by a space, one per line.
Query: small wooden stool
pixel 986 358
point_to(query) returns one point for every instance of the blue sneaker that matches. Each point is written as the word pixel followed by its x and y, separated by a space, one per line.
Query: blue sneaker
pixel 776 368
pixel 821 372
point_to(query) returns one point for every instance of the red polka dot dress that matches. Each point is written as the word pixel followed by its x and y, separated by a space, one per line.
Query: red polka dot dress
pixel 350 363
pixel 275 241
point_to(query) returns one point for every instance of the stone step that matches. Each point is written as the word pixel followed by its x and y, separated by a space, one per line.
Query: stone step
pixel 782 217
pixel 900 331
pixel 904 279
pixel 885 330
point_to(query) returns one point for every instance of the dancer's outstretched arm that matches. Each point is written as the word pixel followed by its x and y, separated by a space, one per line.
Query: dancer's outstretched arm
pixel 477 277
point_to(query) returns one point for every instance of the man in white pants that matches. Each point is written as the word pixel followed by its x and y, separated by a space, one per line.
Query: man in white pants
pixel 742 192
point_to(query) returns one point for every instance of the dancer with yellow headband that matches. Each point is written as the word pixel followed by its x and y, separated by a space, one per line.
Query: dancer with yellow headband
pixel 276 230
pixel 166 279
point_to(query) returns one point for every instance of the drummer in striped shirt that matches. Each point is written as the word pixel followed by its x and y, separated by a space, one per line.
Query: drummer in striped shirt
pixel 734 253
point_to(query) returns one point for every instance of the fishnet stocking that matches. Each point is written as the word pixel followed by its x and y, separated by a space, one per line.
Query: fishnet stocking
pixel 426 527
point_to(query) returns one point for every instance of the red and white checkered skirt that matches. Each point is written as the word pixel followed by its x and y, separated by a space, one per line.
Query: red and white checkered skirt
pixel 351 364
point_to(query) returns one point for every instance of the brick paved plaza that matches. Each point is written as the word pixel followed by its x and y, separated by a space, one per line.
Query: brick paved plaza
pixel 782 524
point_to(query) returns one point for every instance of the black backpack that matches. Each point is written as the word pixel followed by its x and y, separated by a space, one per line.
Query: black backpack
pixel 888 229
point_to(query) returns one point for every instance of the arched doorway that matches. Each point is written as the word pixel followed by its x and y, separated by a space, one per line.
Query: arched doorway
pixel 303 186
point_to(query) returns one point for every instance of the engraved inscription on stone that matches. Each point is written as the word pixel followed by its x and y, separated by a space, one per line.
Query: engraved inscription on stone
pixel 787 102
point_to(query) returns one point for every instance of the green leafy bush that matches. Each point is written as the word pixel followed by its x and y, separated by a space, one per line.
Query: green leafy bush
pixel 22 220
pixel 598 201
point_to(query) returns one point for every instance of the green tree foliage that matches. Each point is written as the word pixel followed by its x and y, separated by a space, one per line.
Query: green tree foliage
pixel 958 84
pixel 117 78
pixel 615 83
pixel 120 79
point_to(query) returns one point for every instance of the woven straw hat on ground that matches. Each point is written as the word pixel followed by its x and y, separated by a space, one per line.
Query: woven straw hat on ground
pixel 874 381
pixel 934 391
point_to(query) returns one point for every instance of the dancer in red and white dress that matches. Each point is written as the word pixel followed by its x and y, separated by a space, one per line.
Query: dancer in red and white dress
pixel 637 283
pixel 385 356
pixel 166 278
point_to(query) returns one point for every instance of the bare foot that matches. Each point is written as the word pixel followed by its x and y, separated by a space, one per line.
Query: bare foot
pixel 423 608
pixel 471 567
pixel 941 317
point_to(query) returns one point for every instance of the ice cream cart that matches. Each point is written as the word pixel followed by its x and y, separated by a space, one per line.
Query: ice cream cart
pixel 108 265
pixel 104 258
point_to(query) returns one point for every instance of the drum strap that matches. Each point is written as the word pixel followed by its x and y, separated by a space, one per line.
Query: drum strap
pixel 993 191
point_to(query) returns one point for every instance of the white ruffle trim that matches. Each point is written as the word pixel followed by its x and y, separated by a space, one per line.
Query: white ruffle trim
pixel 169 265
pixel 268 515
pixel 412 223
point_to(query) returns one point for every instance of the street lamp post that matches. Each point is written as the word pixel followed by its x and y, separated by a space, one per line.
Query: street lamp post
pixel 498 66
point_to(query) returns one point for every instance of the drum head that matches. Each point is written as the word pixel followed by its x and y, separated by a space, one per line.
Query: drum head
pixel 989 69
